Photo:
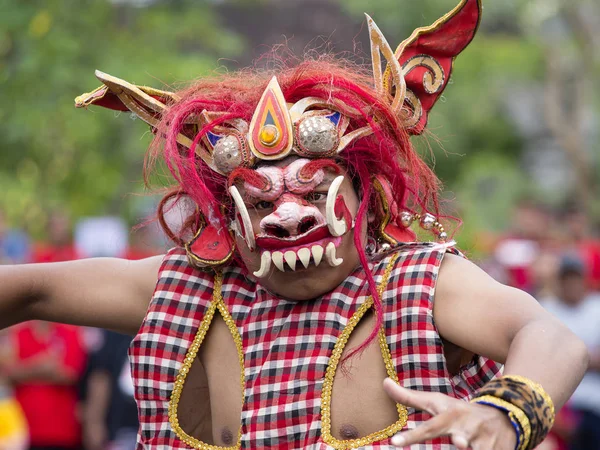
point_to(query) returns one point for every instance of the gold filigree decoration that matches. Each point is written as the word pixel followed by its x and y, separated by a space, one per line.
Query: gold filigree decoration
pixel 412 115
pixel 429 81
pixel 386 212
pixel 332 367
pixel 433 78
pixel 380 46
pixel 433 82
pixel 216 304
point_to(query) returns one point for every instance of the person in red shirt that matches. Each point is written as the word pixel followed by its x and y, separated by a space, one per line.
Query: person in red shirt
pixel 60 241
pixel 581 242
pixel 48 360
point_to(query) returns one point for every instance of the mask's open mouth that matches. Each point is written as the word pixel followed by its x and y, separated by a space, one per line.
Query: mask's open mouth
pixel 276 243
pixel 300 256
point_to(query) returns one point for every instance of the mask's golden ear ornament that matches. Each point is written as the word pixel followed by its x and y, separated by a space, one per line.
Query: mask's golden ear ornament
pixel 425 61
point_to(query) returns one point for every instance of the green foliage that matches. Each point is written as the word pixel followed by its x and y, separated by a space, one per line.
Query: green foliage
pixel 87 161
pixel 471 141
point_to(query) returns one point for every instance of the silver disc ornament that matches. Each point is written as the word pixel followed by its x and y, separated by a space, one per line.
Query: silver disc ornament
pixel 317 136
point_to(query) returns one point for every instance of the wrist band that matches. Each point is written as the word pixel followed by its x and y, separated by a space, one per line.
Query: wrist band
pixel 517 418
pixel 529 408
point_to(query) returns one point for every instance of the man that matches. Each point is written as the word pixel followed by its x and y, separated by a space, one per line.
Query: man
pixel 293 293
pixel 45 366
pixel 580 311
pixel 109 414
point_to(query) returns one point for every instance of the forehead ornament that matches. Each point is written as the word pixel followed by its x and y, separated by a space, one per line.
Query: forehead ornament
pixel 270 134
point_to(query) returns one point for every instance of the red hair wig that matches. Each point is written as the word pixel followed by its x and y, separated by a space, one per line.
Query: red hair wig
pixel 387 152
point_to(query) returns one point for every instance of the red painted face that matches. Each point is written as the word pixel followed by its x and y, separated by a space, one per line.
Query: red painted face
pixel 294 217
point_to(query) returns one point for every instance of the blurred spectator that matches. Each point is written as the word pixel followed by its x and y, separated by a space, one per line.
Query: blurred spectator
pixel 579 241
pixel 520 248
pixel 580 311
pixel 60 242
pixel 13 424
pixel 145 241
pixel 14 245
pixel 46 362
pixel 110 412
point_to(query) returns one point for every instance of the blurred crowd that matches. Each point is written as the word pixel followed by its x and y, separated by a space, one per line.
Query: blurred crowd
pixel 554 254
pixel 66 387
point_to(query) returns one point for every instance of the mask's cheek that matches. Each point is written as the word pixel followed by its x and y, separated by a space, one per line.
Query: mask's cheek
pixel 251 259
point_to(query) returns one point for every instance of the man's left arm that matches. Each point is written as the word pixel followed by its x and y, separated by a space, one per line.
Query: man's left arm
pixel 507 325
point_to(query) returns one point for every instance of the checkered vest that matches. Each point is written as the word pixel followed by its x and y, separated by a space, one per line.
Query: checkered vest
pixel 286 368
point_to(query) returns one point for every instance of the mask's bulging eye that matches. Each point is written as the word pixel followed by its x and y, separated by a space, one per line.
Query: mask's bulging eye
pixel 317 136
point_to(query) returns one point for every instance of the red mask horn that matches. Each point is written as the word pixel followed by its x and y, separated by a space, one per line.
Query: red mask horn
pixel 426 58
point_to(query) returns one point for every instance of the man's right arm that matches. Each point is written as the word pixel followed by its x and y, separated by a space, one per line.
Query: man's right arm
pixel 100 292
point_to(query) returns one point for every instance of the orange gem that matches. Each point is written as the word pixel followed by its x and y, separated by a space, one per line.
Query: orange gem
pixel 269 135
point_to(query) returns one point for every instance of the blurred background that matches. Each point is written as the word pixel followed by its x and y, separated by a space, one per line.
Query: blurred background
pixel 515 140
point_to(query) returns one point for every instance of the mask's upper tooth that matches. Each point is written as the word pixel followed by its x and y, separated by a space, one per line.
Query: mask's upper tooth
pixel 290 258
pixel 265 265
pixel 278 260
pixel 330 256
pixel 304 256
pixel 317 252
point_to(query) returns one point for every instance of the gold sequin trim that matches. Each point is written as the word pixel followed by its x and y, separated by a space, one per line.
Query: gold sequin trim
pixel 514 412
pixel 332 367
pixel 217 303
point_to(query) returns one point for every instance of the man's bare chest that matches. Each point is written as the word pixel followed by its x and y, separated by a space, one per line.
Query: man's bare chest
pixel 211 402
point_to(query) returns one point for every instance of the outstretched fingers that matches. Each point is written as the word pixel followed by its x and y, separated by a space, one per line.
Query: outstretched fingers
pixel 433 428
pixel 430 402
pixel 444 423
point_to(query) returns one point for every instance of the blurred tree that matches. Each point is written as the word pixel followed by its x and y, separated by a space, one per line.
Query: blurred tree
pixel 471 141
pixel 568 32
pixel 498 117
pixel 86 161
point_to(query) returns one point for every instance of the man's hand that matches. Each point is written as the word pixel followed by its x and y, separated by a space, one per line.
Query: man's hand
pixel 470 426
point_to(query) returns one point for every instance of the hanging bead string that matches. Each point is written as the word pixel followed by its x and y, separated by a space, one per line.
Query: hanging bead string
pixel 427 222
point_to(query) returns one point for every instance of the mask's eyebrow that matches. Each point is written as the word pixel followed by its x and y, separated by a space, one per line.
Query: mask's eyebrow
pixel 250 177
pixel 308 171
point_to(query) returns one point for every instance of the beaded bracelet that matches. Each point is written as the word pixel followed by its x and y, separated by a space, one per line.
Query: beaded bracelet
pixel 517 418
pixel 528 406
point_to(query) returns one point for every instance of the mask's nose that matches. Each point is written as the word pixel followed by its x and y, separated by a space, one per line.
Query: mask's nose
pixel 291 218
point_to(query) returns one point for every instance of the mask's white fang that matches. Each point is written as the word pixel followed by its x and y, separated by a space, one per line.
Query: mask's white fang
pixel 304 256
pixel 248 231
pixel 330 256
pixel 278 260
pixel 317 252
pixel 336 227
pixel 265 265
pixel 290 258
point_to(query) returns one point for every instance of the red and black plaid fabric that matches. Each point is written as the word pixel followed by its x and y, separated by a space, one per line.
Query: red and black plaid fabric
pixel 287 346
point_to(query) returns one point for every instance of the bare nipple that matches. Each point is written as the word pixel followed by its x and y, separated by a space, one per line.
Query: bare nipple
pixel 227 436
pixel 348 431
